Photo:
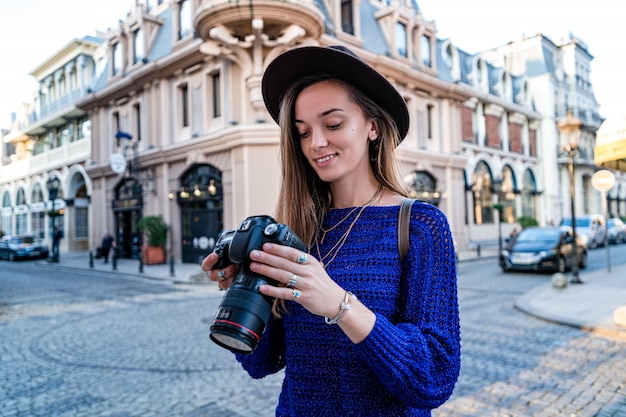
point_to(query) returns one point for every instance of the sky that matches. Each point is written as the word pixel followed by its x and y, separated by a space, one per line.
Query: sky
pixel 33 30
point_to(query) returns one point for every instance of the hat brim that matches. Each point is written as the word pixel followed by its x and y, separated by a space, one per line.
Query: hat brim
pixel 288 67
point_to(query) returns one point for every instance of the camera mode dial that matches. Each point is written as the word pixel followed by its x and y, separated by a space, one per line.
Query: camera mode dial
pixel 271 229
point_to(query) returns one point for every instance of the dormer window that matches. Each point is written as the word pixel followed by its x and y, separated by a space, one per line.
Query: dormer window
pixel 117 58
pixel 425 51
pixel 139 52
pixel 401 39
pixel 450 58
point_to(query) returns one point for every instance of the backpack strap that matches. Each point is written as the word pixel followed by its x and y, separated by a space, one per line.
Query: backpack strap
pixel 403 227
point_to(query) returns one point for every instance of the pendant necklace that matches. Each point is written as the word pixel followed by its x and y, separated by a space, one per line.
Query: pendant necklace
pixel 342 240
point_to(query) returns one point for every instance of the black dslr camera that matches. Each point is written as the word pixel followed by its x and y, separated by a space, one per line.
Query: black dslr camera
pixel 243 312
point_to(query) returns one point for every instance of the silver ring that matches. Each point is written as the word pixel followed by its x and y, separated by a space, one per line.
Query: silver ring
pixel 295 294
pixel 292 281
pixel 301 258
pixel 221 274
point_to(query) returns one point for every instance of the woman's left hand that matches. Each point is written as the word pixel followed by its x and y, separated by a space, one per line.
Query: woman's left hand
pixel 306 280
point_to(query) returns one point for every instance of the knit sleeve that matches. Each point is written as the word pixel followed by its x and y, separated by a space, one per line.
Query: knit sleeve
pixel 418 359
pixel 269 355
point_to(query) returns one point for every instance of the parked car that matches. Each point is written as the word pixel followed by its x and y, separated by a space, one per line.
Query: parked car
pixel 14 248
pixel 591 228
pixel 549 249
pixel 616 229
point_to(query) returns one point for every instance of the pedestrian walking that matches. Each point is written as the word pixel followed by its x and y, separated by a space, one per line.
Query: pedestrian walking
pixel 108 243
pixel 357 330
pixel 57 235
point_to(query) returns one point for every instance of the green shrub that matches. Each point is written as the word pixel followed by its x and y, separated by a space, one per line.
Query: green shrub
pixel 155 229
pixel 526 221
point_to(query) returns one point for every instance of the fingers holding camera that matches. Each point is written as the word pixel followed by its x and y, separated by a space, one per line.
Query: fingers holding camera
pixel 223 277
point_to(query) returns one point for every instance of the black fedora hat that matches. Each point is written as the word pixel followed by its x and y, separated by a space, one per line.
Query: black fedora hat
pixel 338 62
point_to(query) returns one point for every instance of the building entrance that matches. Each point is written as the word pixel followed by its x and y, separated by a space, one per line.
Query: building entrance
pixel 127 207
pixel 200 200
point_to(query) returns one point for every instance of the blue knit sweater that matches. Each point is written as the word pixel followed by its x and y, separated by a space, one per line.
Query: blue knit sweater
pixel 410 362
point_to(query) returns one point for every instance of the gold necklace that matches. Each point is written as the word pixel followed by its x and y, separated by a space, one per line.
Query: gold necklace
pixel 342 240
pixel 324 231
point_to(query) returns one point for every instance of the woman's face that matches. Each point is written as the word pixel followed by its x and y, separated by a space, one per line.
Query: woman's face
pixel 334 133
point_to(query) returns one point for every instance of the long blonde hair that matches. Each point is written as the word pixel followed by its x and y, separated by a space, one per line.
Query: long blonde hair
pixel 304 198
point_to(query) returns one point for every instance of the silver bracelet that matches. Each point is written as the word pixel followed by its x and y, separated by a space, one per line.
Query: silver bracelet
pixel 345 305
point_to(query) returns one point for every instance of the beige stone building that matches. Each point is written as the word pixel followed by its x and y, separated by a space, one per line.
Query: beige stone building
pixel 168 119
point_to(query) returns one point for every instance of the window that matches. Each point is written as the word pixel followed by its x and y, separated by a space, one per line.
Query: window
pixel 401 39
pixel 184 19
pixel 21 215
pixel 423 187
pixel 137 111
pixel 429 120
pixel 138 47
pixel 116 122
pixel 425 50
pixel 347 21
pixel 184 105
pixel 216 94
pixel 37 214
pixel 529 191
pixel 117 58
pixel 84 128
pixel 81 223
pixel 6 215
pixel 481 188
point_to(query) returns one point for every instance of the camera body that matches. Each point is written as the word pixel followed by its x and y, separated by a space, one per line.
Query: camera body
pixel 243 312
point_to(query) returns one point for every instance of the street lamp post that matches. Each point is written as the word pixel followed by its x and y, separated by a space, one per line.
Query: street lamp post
pixel 52 185
pixel 496 187
pixel 570 127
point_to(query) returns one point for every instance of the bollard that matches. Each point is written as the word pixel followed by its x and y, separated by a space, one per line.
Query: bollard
pixel 140 264
pixel 172 265
pixel 478 249
pixel 91 259
pixel 114 261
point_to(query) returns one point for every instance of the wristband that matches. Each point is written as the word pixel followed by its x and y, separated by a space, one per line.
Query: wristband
pixel 345 305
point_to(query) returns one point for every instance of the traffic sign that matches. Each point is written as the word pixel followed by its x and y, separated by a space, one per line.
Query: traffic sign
pixel 603 180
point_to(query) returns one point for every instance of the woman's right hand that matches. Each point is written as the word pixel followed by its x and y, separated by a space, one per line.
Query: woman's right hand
pixel 223 277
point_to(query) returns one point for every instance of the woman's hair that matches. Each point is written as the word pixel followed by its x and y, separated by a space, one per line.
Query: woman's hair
pixel 304 198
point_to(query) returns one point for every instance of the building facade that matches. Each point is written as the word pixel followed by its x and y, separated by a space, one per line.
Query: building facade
pixel 177 124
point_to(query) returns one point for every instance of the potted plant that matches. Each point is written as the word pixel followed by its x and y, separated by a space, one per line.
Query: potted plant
pixel 155 229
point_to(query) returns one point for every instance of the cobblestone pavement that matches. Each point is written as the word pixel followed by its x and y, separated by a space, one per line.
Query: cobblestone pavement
pixel 145 355
pixel 514 365
pixel 148 354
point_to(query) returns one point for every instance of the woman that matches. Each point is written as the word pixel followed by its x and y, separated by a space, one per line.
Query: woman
pixel 358 331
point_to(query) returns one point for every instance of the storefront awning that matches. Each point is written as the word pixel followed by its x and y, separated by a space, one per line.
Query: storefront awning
pixel 610 150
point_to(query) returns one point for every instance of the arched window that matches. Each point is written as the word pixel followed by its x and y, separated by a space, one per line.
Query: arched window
pixel 423 187
pixel 21 213
pixel 6 214
pixel 37 212
pixel 507 194
pixel 481 189
pixel 529 191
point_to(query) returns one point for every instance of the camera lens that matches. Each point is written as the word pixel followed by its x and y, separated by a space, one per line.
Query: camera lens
pixel 241 319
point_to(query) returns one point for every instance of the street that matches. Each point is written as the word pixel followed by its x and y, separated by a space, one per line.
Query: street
pixel 97 344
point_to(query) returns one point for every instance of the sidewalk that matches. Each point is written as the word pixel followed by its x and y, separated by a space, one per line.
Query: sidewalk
pixel 590 306
pixel 187 273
